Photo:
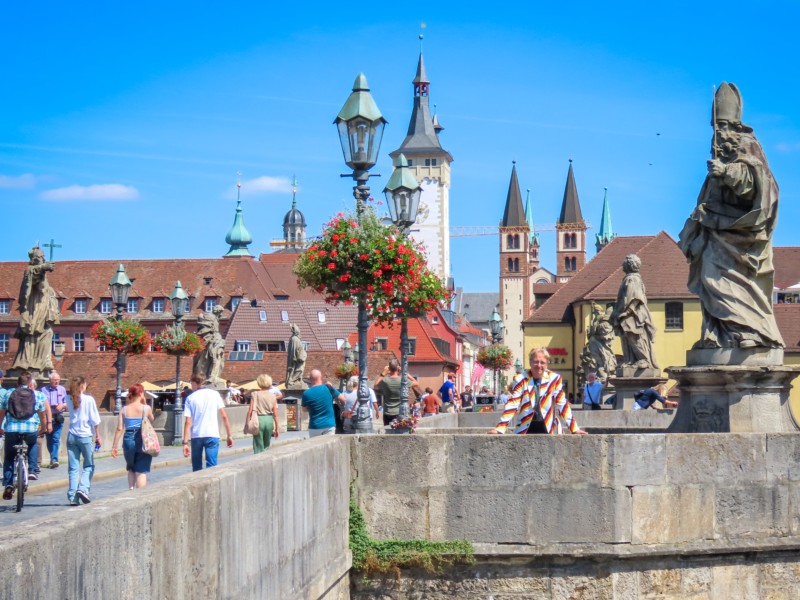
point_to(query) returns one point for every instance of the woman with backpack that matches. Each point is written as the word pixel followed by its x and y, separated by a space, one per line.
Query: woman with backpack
pixel 83 419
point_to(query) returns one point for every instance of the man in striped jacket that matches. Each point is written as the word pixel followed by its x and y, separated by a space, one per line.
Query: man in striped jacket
pixel 537 396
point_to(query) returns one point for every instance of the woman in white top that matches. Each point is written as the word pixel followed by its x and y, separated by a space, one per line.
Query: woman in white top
pixel 83 422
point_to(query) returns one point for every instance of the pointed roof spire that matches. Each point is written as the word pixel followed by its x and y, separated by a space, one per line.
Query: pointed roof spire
pixel 533 236
pixel 294 191
pixel 421 76
pixel 238 237
pixel 606 233
pixel 514 215
pixel 571 205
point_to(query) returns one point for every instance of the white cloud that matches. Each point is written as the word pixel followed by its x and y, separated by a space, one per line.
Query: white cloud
pixel 263 185
pixel 788 146
pixel 108 191
pixel 22 182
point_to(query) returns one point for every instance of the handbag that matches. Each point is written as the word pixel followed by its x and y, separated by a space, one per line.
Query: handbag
pixel 150 443
pixel 251 425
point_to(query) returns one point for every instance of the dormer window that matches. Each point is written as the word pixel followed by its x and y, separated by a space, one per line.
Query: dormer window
pixel 5 307
pixel 158 305
pixel 106 306
pixel 235 300
pixel 209 304
pixel 80 306
pixel 133 305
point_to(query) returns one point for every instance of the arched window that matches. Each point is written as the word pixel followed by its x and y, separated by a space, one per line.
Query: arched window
pixel 573 263
pixel 566 263
pixel 509 241
pixel 516 265
pixel 516 240
pixel 574 237
pixel 510 265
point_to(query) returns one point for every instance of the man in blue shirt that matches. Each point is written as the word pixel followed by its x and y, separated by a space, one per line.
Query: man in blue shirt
pixel 318 401
pixel 57 402
pixel 448 390
pixel 22 430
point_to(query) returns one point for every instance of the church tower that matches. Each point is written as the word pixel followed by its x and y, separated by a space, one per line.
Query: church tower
pixel 238 237
pixel 431 167
pixel 533 236
pixel 294 225
pixel 606 234
pixel 516 268
pixel 570 233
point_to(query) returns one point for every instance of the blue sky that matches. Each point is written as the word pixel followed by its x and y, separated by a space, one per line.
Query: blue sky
pixel 122 128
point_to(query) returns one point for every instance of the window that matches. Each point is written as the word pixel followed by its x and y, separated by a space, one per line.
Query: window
pixel 435 320
pixel 101 347
pixel 516 240
pixel 152 341
pixel 158 305
pixel 3 342
pixel 573 263
pixel 321 316
pixel 235 302
pixel 80 306
pixel 242 346
pixel 674 315
pixel 410 163
pixel 78 342
pixel 209 304
pixel 427 162
pixel 5 307
pixel 105 306
pixel 56 339
pixel 516 265
pixel 412 346
pixel 133 305
pixel 284 315
pixel 272 346
pixel 262 315
pixel 509 241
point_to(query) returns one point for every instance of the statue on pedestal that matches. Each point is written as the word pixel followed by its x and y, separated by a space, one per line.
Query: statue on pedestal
pixel 38 307
pixel 632 320
pixel 728 237
pixel 597 354
pixel 210 362
pixel 295 360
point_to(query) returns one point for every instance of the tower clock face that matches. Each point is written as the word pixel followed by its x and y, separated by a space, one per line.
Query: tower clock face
pixel 423 212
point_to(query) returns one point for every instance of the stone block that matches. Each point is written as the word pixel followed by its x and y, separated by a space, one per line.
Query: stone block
pixel 579 460
pixel 713 458
pixel 794 508
pixel 672 514
pixel 500 461
pixel 625 584
pixel 403 462
pixel 593 515
pixel 393 514
pixel 581 586
pixel 751 511
pixel 738 581
pixel 659 583
pixel 636 459
pixel 783 457
pixel 696 581
pixel 499 516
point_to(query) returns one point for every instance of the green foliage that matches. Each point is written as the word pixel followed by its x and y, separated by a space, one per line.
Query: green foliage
pixel 389 556
pixel 496 357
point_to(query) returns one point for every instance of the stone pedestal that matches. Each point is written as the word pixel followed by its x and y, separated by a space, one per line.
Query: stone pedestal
pixel 734 390
pixel 630 380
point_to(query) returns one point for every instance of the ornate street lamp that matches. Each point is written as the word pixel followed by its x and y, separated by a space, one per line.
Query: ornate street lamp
pixel 360 125
pixel 402 196
pixel 179 301
pixel 347 352
pixel 120 286
pixel 496 326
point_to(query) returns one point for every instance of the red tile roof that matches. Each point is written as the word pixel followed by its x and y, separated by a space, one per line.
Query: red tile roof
pixel 787 266
pixel 788 318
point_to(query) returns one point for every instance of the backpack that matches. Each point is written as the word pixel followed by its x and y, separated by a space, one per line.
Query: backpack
pixel 22 403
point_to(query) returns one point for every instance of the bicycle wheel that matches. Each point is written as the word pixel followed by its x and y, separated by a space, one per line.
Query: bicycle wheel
pixel 19 481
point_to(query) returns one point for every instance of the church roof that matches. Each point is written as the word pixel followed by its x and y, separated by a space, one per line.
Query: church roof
pixel 570 206
pixel 606 233
pixel 514 214
pixel 238 237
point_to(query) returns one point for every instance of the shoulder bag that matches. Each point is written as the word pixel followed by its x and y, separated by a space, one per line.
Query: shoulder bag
pixel 251 425
pixel 150 443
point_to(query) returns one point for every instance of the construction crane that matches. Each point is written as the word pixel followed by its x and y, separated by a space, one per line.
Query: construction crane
pixel 474 230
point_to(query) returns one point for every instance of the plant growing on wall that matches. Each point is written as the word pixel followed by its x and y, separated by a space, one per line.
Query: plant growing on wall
pixel 127 337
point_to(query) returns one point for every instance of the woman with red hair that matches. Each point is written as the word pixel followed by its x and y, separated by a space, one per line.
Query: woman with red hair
pixel 130 423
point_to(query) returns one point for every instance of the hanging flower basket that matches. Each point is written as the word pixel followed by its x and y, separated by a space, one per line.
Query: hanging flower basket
pixel 178 342
pixel 345 371
pixel 496 357
pixel 127 337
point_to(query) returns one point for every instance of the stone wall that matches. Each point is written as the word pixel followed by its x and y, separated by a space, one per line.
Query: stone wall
pixel 632 490
pixel 610 420
pixel 272 525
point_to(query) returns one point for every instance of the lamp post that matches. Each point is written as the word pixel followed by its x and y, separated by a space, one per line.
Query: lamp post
pixel 120 286
pixel 496 327
pixel 402 193
pixel 360 126
pixel 347 354
pixel 178 300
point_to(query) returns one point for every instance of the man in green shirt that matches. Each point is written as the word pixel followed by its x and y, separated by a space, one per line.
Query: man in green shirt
pixel 388 387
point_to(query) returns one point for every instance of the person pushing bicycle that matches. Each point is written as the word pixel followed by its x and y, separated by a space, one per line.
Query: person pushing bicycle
pixel 25 419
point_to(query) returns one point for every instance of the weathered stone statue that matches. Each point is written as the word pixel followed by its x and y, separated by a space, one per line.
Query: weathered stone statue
pixel 597 354
pixel 728 238
pixel 211 360
pixel 295 360
pixel 38 307
pixel 631 318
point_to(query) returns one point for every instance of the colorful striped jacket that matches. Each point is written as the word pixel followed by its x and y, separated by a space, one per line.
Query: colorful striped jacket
pixel 551 399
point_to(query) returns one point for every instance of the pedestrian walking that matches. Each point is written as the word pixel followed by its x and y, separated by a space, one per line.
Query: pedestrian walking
pixel 201 428
pixel 137 462
pixel 265 405
pixel 82 438
pixel 57 401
